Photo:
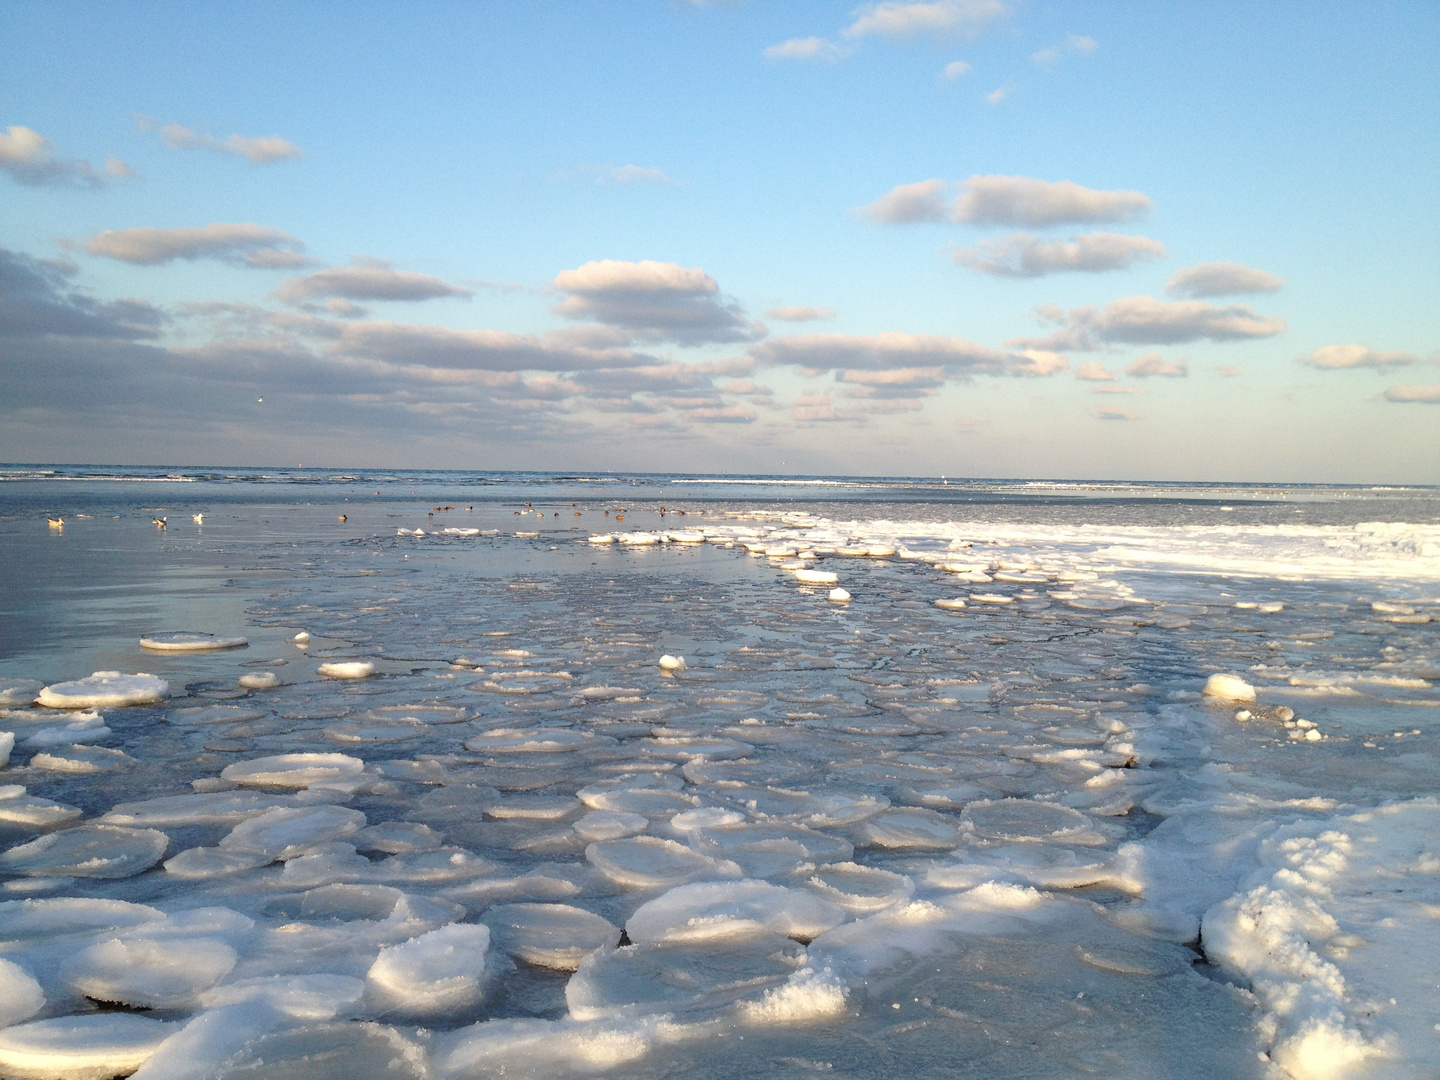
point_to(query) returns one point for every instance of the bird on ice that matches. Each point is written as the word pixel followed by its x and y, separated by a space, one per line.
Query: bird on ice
pixel 56 522
pixel 199 519
pixel 159 522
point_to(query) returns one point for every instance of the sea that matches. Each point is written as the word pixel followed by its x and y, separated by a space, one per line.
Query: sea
pixel 412 773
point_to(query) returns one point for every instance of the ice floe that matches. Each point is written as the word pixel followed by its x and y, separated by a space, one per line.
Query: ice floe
pixel 105 690
pixel 191 641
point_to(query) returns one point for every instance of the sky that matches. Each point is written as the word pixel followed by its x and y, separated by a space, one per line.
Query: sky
pixel 991 238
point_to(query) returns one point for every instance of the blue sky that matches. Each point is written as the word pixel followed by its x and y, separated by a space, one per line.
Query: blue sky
pixel 898 238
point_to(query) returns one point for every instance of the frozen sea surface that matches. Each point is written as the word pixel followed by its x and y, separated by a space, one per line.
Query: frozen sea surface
pixel 882 837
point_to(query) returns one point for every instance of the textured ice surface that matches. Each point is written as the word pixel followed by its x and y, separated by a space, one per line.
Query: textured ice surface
pixel 20 995
pixel 711 911
pixel 105 689
pixel 190 641
pixel 92 1047
pixel 88 851
pixel 436 972
pixel 556 936
pixel 19 691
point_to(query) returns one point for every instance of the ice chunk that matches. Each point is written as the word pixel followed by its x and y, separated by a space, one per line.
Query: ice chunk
pixel 198 863
pixel 672 663
pixel 647 862
pixel 346 669
pixel 86 727
pixel 284 832
pixel 992 598
pixel 860 889
pixel 18 808
pixel 198 808
pixel 437 972
pixel 528 740
pixel 707 817
pixel 609 825
pixel 807 995
pixel 190 641
pixel 23 920
pixel 394 837
pixel 1229 687
pixel 204 1044
pixel 769 850
pixel 89 851
pixel 364 1051
pixel 542 1048
pixel 81 759
pixel 724 910
pixel 19 691
pixel 637 800
pixel 839 596
pixel 682 979
pixel 214 714
pixel 918 830
pixel 952 604
pixel 20 995
pixel 105 689
pixel 302 997
pixel 294 770
pixel 556 936
pixel 816 577
pixel 259 680
pixel 96 1046
pixel 1026 819
pixel 151 973
pixel 7 744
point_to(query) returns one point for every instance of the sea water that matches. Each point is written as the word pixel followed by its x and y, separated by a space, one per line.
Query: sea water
pixel 936 778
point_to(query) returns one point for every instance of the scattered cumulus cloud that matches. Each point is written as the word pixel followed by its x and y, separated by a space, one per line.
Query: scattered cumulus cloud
pixel 367 279
pixel 1005 200
pixel 1143 320
pixel 655 301
pixel 998 95
pixel 808 48
pixel 260 246
pixel 955 69
pixel 800 313
pixel 1074 43
pixel 1332 357
pixel 1025 255
pixel 1414 395
pixel 817 353
pixel 1153 364
pixel 258 150
pixel 1221 279
pixel 1094 371
pixel 29 159
pixel 900 21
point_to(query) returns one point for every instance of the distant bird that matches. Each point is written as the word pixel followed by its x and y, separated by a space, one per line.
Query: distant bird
pixel 199 519
pixel 56 523
pixel 344 517
pixel 159 522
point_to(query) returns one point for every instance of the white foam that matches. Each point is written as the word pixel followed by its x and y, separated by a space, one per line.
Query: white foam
pixel 96 1046
pixel 347 669
pixel 435 973
pixel 190 641
pixel 105 689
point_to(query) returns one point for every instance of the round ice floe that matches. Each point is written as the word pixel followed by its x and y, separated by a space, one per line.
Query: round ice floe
pixel 148 972
pixel 360 731
pixel 293 770
pixel 19 691
pixel 609 825
pixel 702 977
pixel 770 850
pixel 81 759
pixel 7 744
pixel 840 596
pixel 528 740
pixel 816 577
pixel 198 808
pixel 726 910
pixel 18 808
pixel 707 817
pixel 87 727
pixel 259 680
pixel 942 796
pixel 437 972
pixel 637 801
pixel 916 830
pixel 952 604
pixel 301 997
pixel 200 863
pixel 346 669
pixel 95 1046
pixel 105 689
pixel 555 936
pixel 20 995
pixel 533 808
pixel 285 831
pixel 89 851
pixel 689 747
pixel 860 889
pixel 1051 866
pixel 23 920
pixel 190 641
pixel 1229 687
pixel 649 862
pixel 991 598
pixel 651 781
pixel 364 1051
pixel 1025 819
pixel 394 837
pixel 214 714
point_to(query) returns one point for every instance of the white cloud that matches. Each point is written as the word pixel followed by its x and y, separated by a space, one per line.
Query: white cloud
pixel 1153 364
pixel 921 201
pixel 1221 279
pixel 654 300
pixel 900 20
pixel 1025 255
pixel 809 48
pixel 1094 371
pixel 1358 356
pixel 258 150
pixel 893 350
pixel 1115 390
pixel 1045 57
pixel 896 383
pixel 257 245
pixel 955 69
pixel 368 279
pixel 800 313
pixel 1074 43
pixel 29 158
pixel 1006 200
pixel 1026 201
pixel 491 350
pixel 1227 372
pixel 1419 395
pixel 1143 320
pixel 1081 44
pixel 1110 412
pixel 998 95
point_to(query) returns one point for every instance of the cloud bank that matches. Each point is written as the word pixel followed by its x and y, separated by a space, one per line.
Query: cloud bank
pixel 1025 255
pixel 1222 279
pixel 1021 201
pixel 255 245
